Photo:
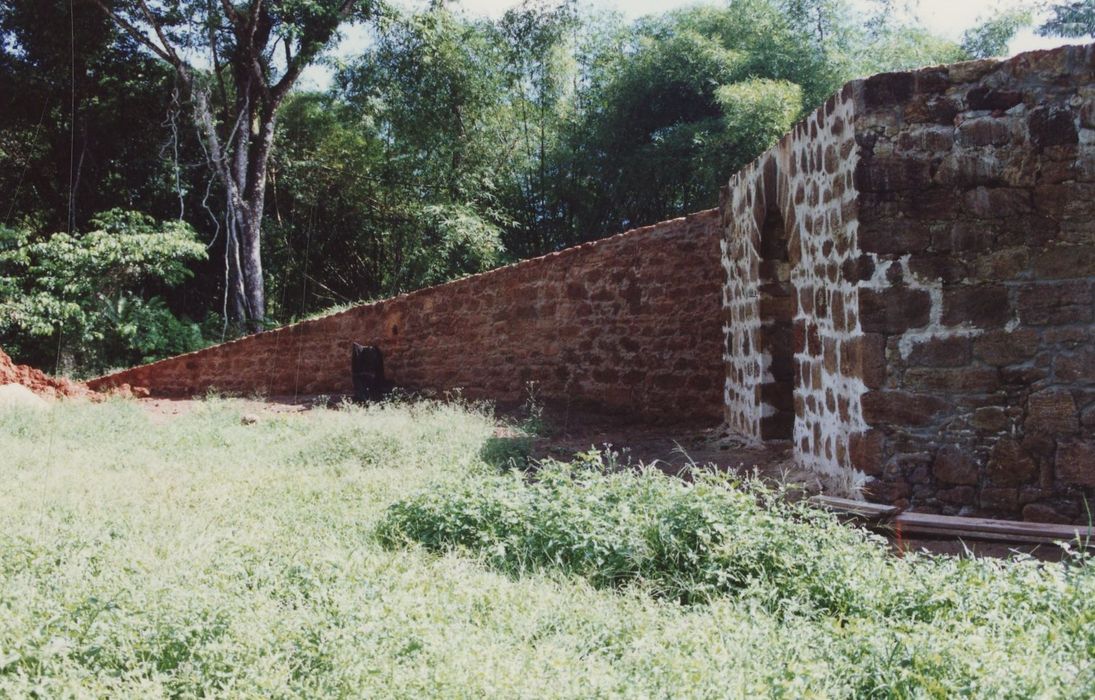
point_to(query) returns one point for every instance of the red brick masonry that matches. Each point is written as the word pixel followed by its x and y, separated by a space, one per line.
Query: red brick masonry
pixel 904 288
pixel 629 323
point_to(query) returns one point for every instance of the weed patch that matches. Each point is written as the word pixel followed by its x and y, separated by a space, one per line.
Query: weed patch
pixel 203 556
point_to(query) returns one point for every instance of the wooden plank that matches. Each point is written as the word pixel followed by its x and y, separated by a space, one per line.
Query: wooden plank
pixel 857 509
pixel 953 526
pixel 987 529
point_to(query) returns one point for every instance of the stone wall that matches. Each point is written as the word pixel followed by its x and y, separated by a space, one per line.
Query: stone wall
pixel 790 311
pixel 977 284
pixel 629 323
pixel 903 288
pixel 932 236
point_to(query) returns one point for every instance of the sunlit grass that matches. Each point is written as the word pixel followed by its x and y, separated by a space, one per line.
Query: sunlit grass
pixel 199 556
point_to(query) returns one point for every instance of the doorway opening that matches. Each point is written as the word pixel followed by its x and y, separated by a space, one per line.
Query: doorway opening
pixel 777 310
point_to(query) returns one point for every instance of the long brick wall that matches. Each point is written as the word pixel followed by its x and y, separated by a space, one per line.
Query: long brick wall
pixel 903 288
pixel 628 323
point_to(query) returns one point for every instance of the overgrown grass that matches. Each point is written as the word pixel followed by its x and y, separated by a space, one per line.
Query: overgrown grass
pixel 201 556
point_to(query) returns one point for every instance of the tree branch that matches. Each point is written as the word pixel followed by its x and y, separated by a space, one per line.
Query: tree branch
pixel 306 54
pixel 151 19
pixel 141 38
pixel 231 14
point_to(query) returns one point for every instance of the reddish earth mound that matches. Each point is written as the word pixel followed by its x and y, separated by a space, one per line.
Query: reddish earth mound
pixel 37 381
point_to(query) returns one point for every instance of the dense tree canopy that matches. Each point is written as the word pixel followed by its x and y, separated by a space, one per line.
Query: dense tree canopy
pixel 448 145
pixel 1074 19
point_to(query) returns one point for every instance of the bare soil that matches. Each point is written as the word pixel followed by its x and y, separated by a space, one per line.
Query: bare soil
pixel 37 381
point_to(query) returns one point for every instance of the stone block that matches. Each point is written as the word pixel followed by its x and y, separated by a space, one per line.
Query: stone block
pixel 937 267
pixel 1052 125
pixel 983 306
pixel 886 236
pixel 1087 417
pixel 865 357
pixel 990 419
pixel 888 89
pixel 891 174
pixel 939 351
pixel 926 138
pixel 952 465
pixel 997 202
pixel 964 236
pixel 1005 264
pixel 901 408
pixel 1061 262
pixel 952 379
pixel 894 491
pixel 893 310
pixel 1010 464
pixel 985 98
pixel 1065 200
pixel 971 169
pixel 1055 303
pixel 931 109
pixel 1042 513
pixel 1075 462
pixel 999 499
pixel 1052 411
pixel 1076 367
pixel 984 131
pixel 958 496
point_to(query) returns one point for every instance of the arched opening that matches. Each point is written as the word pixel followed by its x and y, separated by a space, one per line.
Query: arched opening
pixel 777 310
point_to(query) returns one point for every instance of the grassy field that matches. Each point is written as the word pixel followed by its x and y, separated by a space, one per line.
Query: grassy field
pixel 374 553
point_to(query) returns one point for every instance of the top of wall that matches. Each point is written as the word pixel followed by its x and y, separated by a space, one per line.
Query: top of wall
pixel 911 92
pixel 528 267
pixel 903 88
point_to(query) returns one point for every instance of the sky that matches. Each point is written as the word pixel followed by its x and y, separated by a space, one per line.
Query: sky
pixel 947 18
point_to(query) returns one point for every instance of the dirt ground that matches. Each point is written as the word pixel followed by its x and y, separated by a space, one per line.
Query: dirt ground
pixel 561 432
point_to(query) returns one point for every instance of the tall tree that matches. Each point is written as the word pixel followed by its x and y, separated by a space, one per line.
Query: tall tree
pixel 991 36
pixel 81 119
pixel 237 63
pixel 1070 19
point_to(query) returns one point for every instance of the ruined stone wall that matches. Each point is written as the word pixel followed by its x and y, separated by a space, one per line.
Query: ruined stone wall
pixel 790 229
pixel 903 288
pixel 932 236
pixel 977 284
pixel 629 323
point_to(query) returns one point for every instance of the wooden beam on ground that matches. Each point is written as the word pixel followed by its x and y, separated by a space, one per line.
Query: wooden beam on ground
pixel 955 527
pixel 860 510
pixel 950 526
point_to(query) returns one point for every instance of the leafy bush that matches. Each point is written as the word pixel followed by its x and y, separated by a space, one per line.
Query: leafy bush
pixel 697 541
pixel 91 295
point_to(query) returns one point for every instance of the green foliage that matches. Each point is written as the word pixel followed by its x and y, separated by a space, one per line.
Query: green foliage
pixel 990 37
pixel 666 111
pixel 692 542
pixel 457 241
pixel 905 47
pixel 198 556
pixel 393 184
pixel 92 293
pixel 1075 19
pixel 84 125
pixel 716 537
pixel 757 112
pixel 450 145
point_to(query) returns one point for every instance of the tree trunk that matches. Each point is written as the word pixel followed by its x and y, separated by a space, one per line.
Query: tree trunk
pixel 254 289
pixel 240 160
pixel 234 296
